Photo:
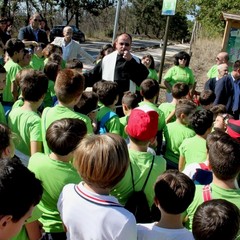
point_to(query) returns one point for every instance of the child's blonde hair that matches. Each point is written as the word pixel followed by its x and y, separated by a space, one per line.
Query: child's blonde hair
pixel 102 160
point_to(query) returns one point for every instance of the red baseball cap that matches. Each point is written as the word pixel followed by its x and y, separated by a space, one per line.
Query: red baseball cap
pixel 233 128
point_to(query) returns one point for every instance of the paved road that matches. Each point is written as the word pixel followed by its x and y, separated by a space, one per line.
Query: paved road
pixel 139 48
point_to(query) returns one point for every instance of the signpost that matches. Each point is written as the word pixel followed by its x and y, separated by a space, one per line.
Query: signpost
pixel 168 9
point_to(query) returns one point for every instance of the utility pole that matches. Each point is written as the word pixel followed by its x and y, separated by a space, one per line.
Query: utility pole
pixel 116 20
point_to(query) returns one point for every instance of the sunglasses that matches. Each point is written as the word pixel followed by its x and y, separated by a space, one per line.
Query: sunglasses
pixel 37 20
pixel 126 44
pixel 183 58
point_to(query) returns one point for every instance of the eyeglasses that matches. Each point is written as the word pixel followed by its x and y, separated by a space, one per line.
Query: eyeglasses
pixel 37 20
pixel 126 44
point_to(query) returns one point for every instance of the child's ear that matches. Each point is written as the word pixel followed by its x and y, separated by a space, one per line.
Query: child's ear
pixel 141 93
pixel 156 202
pixel 124 106
pixel 7 152
pixel 4 221
pixel 125 129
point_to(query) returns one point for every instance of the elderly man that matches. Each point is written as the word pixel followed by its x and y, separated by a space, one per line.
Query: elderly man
pixel 32 34
pixel 222 71
pixel 227 91
pixel 71 48
pixel 119 66
pixel 221 58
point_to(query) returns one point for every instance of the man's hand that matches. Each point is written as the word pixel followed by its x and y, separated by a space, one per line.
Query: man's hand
pixel 127 55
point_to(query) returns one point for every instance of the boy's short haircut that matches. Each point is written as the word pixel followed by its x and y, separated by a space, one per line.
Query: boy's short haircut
pixel 87 103
pixel 107 92
pixel 180 90
pixel 130 99
pixel 74 64
pixel 48 50
pixel 214 136
pixel 69 85
pixel 142 124
pixel 149 88
pixel 33 85
pixel 217 109
pixel 55 57
pixel 2 69
pixel 201 121
pixel 207 97
pixel 184 106
pixel 107 168
pixel 51 70
pixel 224 158
pixel 5 136
pixel 64 135
pixel 216 219
pixel 174 191
pixel 14 45
pixel 19 189
pixel 96 85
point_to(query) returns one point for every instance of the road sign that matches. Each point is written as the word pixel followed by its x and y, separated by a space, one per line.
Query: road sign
pixel 169 7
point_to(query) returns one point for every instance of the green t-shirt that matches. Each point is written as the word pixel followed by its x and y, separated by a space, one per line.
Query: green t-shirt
pixel 18 103
pixel 152 74
pixel 167 108
pixel 12 69
pixel 58 112
pixel 48 100
pixel 54 175
pixel 27 126
pixel 123 123
pixel 174 134
pixel 231 195
pixel 213 72
pixel 178 74
pixel 113 124
pixel 37 63
pixel 193 149
pixel 22 235
pixel 161 119
pixel 2 115
pixel 141 162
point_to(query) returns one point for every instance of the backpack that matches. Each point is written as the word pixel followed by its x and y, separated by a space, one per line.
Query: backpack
pixel 101 124
pixel 137 202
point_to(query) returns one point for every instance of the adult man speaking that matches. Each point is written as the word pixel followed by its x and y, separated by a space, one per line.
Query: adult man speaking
pixel 71 49
pixel 119 66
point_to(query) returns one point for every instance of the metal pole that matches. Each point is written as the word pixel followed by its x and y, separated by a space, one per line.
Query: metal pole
pixel 116 20
pixel 164 49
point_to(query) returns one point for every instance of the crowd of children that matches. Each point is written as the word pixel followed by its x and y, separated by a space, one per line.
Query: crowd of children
pixel 84 162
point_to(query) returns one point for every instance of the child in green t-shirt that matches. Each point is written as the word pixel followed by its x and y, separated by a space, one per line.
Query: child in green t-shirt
pixel 142 128
pixel 179 91
pixel 107 119
pixel 55 170
pixel 129 101
pixel 24 121
pixel 149 89
pixel 68 87
pixel 177 131
pixel 14 48
pixel 2 86
pixel 37 60
pixel 194 150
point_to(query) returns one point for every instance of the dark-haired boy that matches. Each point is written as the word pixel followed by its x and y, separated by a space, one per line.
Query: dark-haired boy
pixel 68 88
pixel 193 150
pixel 20 191
pixel 224 162
pixel 55 171
pixel 142 129
pixel 37 60
pixel 206 99
pixel 25 121
pixel 216 219
pixel 174 192
pixel 14 48
pixel 107 119
pixel 149 89
pixel 177 131
pixel 129 101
